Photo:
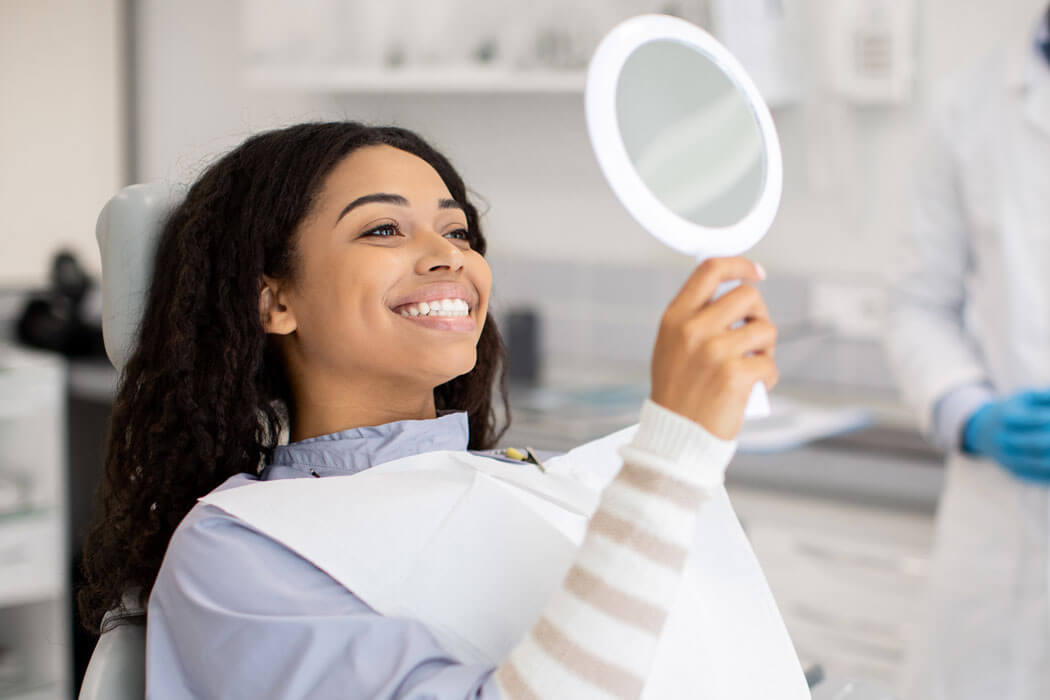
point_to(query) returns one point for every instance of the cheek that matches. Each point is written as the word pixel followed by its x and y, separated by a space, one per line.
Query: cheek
pixel 344 309
pixel 482 274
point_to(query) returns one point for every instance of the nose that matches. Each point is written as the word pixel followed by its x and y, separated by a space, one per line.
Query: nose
pixel 437 253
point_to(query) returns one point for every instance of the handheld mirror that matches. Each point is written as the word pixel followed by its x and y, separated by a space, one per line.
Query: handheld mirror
pixel 685 141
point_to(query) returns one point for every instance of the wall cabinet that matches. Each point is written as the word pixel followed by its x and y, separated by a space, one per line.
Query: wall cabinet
pixel 850 580
pixel 34 590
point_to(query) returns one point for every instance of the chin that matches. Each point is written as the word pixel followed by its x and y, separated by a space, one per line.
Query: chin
pixel 458 369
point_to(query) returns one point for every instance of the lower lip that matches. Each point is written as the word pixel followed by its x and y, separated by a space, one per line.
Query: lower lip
pixel 463 324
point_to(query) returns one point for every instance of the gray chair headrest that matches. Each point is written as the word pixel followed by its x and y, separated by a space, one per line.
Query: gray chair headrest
pixel 128 231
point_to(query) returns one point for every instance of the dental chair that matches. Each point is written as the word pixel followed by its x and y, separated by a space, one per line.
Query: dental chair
pixel 127 231
pixel 117 670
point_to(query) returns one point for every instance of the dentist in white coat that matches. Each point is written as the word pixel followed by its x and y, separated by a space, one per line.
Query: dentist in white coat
pixel 969 341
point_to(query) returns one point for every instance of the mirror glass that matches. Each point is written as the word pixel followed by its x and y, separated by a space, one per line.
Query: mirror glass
pixel 690 133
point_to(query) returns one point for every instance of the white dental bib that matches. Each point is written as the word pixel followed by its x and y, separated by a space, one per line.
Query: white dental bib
pixel 474 548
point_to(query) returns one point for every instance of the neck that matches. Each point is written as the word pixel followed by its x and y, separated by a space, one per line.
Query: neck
pixel 320 410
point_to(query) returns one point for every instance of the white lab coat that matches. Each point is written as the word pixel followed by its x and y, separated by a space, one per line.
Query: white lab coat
pixel 971 303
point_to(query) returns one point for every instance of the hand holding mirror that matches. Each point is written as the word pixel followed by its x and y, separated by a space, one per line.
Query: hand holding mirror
pixel 685 140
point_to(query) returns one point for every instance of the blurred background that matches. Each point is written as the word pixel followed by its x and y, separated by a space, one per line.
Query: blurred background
pixel 836 489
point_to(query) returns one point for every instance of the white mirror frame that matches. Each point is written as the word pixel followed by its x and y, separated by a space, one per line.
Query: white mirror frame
pixel 603 77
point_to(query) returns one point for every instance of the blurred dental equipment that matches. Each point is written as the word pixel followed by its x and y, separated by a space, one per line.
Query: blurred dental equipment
pixel 871 50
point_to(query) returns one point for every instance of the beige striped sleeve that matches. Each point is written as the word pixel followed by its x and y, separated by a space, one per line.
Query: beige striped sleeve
pixel 596 637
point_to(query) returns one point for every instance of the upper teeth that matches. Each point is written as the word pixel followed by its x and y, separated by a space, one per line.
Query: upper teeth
pixel 440 307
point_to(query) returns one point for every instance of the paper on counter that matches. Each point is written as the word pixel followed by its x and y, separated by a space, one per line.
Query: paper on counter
pixel 792 424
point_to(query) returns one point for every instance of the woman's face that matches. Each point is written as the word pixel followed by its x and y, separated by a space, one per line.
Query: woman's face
pixel 387 290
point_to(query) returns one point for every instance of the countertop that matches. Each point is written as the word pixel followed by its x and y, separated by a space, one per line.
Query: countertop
pixel 887 463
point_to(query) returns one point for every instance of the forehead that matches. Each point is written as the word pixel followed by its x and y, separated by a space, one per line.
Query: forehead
pixel 383 169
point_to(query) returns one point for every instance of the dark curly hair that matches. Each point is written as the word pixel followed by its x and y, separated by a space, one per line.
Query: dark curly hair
pixel 204 395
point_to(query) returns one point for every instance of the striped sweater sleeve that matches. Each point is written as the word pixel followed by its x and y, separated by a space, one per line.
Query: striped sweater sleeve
pixel 597 636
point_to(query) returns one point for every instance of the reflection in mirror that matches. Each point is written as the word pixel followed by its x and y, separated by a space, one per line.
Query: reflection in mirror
pixel 690 133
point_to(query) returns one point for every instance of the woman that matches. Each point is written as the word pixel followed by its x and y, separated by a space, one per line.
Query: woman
pixel 329 279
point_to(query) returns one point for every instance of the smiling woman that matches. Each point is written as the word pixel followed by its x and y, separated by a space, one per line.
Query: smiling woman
pixel 328 282
pixel 270 310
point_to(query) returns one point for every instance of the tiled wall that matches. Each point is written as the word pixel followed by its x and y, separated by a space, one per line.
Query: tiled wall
pixel 607 315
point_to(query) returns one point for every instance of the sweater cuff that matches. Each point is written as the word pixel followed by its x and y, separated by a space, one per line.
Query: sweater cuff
pixel 678 446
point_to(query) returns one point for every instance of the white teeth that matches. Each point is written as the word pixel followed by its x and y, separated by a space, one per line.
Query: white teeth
pixel 438 307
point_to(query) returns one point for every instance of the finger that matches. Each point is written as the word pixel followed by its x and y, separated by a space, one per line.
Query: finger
pixel 1037 471
pixel 1036 398
pixel 1019 417
pixel 702 283
pixel 759 368
pixel 758 336
pixel 744 302
pixel 1026 444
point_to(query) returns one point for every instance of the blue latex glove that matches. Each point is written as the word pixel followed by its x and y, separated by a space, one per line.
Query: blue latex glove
pixel 1015 432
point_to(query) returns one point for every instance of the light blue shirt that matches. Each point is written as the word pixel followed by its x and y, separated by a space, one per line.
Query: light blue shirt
pixel 234 614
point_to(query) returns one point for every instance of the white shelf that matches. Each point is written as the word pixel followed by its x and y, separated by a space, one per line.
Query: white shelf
pixel 30 568
pixel 30 380
pixel 449 79
pixel 34 555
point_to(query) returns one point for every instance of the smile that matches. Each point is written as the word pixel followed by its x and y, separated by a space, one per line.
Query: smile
pixel 438 308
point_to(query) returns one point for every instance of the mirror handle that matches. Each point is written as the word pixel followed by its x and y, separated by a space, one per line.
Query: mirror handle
pixel 758 401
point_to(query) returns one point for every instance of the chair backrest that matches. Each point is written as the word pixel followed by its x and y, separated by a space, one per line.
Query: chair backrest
pixel 128 230
pixel 117 670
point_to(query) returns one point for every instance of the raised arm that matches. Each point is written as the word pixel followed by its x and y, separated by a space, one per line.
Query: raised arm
pixel 598 635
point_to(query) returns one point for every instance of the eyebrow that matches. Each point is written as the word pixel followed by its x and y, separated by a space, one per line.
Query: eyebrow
pixel 390 198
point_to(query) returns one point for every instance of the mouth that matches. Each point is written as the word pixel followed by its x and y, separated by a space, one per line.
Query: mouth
pixel 448 308
pixel 437 308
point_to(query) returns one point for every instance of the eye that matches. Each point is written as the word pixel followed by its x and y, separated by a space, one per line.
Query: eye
pixel 387 230
pixel 460 234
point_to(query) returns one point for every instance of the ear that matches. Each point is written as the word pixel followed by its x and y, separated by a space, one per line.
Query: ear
pixel 276 316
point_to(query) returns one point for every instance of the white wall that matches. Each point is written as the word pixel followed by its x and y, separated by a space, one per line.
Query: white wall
pixel 527 155
pixel 846 168
pixel 61 132
pixel 61 137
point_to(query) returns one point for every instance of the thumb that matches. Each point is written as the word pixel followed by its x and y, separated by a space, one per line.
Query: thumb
pixel 1036 397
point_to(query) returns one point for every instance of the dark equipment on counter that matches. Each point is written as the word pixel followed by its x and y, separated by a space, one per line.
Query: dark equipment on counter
pixel 54 319
pixel 523 346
